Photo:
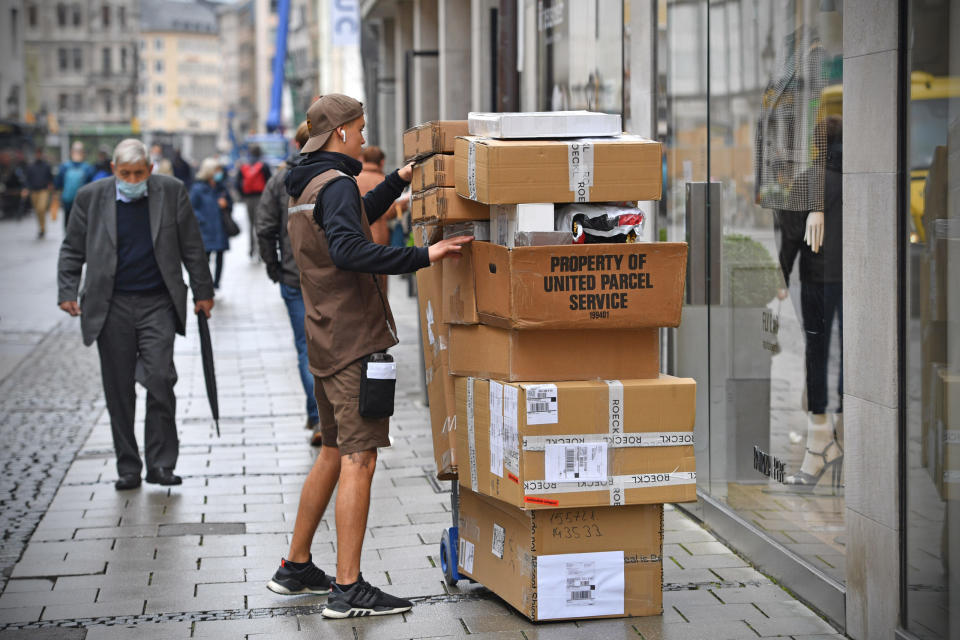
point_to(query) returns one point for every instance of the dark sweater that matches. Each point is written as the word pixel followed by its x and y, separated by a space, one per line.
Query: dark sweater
pixel 137 268
pixel 337 212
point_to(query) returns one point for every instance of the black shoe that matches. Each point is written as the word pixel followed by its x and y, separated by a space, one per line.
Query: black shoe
pixel 363 599
pixel 288 581
pixel 127 481
pixel 166 477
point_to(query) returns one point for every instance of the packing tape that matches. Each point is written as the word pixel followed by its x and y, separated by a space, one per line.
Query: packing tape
pixel 636 481
pixel 472 169
pixel 472 437
pixel 615 407
pixel 621 441
pixel 580 169
pixel 951 436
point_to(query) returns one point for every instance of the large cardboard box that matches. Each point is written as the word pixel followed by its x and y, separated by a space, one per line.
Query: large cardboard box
pixel 432 137
pixel 578 444
pixel 443 418
pixel 947 420
pixel 627 168
pixel 597 286
pixel 443 205
pixel 570 354
pixel 434 171
pixel 564 563
pixel 544 124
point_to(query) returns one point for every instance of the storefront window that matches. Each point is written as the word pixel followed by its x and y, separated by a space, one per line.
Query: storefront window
pixel 580 59
pixel 931 246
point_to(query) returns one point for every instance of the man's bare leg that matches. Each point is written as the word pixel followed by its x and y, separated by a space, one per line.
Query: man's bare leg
pixel 353 504
pixel 314 498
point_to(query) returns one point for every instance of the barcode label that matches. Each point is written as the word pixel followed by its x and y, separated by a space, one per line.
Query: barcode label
pixel 542 404
pixel 579 585
pixel 499 539
pixel 586 462
pixel 466 555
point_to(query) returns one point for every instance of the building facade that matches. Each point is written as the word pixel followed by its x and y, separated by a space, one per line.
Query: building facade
pixel 80 65
pixel 180 85
pixel 828 381
pixel 12 94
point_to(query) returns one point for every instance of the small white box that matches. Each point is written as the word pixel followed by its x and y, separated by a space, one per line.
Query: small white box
pixel 506 220
pixel 544 124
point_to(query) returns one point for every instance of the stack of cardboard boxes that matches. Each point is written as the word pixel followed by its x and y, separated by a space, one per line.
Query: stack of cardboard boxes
pixel 566 440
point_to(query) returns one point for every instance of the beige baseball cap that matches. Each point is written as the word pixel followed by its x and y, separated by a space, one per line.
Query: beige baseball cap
pixel 326 114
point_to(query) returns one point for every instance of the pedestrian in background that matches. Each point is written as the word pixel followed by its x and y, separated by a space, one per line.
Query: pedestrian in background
pixel 277 255
pixel 161 166
pixel 39 179
pixel 182 170
pixel 102 168
pixel 12 185
pixel 207 205
pixel 72 174
pixel 135 232
pixel 251 181
pixel 370 176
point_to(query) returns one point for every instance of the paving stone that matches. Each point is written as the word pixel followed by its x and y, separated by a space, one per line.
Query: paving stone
pixel 59 633
pixel 150 631
pixel 706 613
pixel 28 585
pixel 130 607
pixel 760 594
pixel 21 600
pixel 239 628
pixel 809 624
pixel 655 629
pixel 23 614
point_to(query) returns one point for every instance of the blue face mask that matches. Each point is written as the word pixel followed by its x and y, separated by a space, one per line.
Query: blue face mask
pixel 132 190
pixel 218 176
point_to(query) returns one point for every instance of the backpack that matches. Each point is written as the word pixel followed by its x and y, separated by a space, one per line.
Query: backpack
pixel 253 180
pixel 75 175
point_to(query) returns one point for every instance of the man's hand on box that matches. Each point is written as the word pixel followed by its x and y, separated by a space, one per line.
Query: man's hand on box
pixel 448 247
pixel 406 172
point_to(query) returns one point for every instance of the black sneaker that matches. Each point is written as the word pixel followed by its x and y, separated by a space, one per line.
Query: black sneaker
pixel 363 599
pixel 288 581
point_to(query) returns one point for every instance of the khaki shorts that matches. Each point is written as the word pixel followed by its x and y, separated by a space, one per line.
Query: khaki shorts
pixel 341 425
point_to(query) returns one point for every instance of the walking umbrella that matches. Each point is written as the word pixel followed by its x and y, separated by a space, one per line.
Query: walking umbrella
pixel 209 375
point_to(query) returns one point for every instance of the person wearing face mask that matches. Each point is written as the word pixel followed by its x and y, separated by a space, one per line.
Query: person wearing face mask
pixel 207 204
pixel 135 232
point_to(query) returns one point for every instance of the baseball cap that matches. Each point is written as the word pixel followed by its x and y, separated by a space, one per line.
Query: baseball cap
pixel 326 114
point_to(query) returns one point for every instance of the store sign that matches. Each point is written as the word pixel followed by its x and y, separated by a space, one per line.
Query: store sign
pixel 345 19
pixel 768 465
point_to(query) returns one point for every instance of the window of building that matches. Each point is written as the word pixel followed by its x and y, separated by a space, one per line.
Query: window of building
pixel 77 15
pixel 32 15
pixel 158 110
pixel 143 89
pixel 105 16
pixel 61 15
pixel 107 102
pixel 158 89
pixel 122 17
pixel 158 66
pixel 158 44
pixel 14 20
pixel 63 102
pixel 77 59
pixel 62 59
pixel 106 61
pixel 143 44
pixel 123 58
pixel 122 102
pixel 78 102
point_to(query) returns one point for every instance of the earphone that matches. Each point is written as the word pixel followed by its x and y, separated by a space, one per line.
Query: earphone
pixel 343 135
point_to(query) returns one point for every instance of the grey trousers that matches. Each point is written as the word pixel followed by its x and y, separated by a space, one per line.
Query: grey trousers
pixel 136 345
pixel 252 202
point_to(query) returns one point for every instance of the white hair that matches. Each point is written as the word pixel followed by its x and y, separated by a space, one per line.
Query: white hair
pixel 208 168
pixel 130 151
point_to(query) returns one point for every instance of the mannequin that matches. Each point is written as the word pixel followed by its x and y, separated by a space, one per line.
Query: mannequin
pixel 821 302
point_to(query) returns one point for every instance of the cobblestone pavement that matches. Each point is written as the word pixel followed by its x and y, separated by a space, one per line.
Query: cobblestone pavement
pixel 82 561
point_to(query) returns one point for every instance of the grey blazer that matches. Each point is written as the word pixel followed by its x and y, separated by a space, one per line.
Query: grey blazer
pixel 91 239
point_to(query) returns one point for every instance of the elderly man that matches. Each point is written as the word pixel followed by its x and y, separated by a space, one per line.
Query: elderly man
pixel 134 231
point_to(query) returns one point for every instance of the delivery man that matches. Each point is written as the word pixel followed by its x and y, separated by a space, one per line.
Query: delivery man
pixel 348 325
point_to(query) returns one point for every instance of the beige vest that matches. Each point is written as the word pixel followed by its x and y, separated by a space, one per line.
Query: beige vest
pixel 347 316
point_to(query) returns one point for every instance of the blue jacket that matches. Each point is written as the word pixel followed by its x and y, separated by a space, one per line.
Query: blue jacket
pixel 203 198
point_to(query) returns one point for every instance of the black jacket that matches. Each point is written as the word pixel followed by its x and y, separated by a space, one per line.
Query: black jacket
pixel 337 212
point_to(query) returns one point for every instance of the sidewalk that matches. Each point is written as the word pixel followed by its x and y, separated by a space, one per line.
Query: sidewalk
pixel 83 561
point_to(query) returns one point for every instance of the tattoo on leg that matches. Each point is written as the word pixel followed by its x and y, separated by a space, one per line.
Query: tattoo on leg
pixel 363 458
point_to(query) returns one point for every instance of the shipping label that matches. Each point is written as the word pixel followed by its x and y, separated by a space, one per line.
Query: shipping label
pixel 472 437
pixel 472 169
pixel 511 431
pixel 542 407
pixel 466 555
pixel 499 539
pixel 575 462
pixel 496 428
pixel 578 585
